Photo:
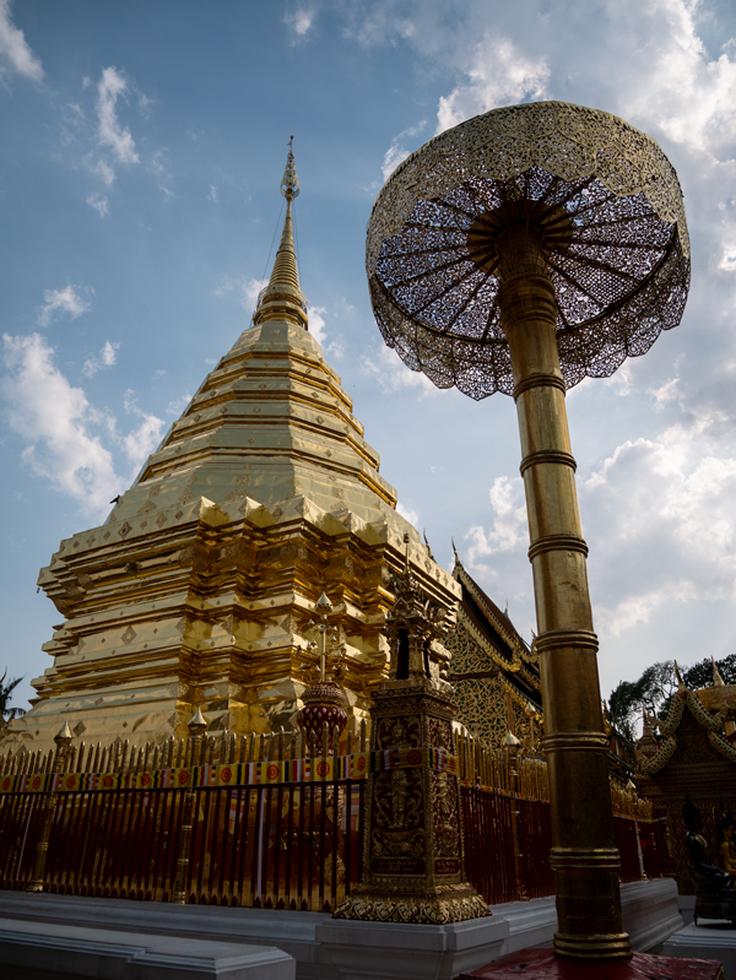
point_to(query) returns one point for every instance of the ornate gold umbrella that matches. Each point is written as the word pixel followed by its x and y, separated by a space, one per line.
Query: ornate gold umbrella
pixel 519 252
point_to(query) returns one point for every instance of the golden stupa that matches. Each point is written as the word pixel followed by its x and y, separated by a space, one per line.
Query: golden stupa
pixel 199 590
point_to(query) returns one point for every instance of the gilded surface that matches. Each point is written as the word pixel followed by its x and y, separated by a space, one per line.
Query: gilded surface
pixel 200 586
pixel 413 842
pixel 488 706
pixel 614 234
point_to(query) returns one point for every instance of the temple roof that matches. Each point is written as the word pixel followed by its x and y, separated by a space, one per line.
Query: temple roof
pixel 654 755
pixel 497 637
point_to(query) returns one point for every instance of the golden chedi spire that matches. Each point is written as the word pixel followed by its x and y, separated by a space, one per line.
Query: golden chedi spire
pixel 197 590
pixel 282 299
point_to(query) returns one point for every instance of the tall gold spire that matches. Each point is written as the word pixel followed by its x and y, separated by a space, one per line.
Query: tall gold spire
pixel 282 299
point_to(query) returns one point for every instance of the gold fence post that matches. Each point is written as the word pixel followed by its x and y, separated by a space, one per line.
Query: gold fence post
pixel 63 741
pixel 197 727
pixel 511 745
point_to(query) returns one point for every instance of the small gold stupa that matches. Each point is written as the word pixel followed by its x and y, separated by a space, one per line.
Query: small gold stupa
pixel 200 588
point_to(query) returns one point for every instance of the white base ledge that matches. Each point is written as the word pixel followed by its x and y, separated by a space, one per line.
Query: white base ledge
pixel 323 948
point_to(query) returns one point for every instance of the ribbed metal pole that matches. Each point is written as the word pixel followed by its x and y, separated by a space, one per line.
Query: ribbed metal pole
pixel 584 858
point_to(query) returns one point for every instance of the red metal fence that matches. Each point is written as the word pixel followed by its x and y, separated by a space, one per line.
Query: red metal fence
pixel 265 822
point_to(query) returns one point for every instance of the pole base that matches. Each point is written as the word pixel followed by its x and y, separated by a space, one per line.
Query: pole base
pixel 543 964
pixel 438 906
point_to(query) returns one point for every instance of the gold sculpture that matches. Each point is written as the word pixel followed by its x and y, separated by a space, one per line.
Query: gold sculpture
pixel 521 251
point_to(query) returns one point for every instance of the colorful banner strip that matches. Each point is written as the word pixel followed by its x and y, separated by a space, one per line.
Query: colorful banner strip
pixel 327 769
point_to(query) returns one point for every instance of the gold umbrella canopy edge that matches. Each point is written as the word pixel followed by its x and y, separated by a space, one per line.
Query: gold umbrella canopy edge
pixel 610 210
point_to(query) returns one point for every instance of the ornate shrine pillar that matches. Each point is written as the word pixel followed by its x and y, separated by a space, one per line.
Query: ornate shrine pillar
pixel 413 850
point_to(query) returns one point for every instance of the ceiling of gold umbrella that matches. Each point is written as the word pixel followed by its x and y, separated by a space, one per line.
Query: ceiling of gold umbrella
pixel 600 195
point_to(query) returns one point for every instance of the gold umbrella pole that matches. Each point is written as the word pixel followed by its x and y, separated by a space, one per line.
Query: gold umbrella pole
pixel 584 858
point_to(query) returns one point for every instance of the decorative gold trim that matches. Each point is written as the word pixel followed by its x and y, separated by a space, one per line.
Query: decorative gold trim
pixel 547 456
pixel 450 903
pixel 575 741
pixel 554 639
pixel 538 380
pixel 557 542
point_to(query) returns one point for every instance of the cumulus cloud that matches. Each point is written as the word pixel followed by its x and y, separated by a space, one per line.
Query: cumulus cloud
pixel 57 423
pixel 67 440
pixel 14 49
pixel 107 357
pixel 73 300
pixel 687 94
pixel 111 87
pixel 508 530
pixel 497 73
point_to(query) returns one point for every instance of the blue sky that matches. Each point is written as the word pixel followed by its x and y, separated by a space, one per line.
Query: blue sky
pixel 143 144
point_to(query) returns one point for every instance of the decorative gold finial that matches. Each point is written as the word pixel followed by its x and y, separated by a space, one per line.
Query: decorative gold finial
pixel 282 299
pixel 290 182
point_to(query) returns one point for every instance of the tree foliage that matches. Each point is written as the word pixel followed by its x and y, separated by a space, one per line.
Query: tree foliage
pixel 653 691
pixel 6 690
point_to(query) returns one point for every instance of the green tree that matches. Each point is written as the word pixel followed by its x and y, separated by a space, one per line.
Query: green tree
pixel 654 689
pixel 6 690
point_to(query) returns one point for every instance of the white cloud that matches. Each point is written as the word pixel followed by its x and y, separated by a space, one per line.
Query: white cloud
pixel 14 48
pixel 71 299
pixel 212 194
pixel 392 375
pixel 728 258
pixel 99 203
pixel 665 393
pixel 497 73
pixel 408 514
pixel 508 530
pixel 57 423
pixel 686 94
pixel 378 23
pixel 145 105
pixel 177 405
pixel 300 22
pixel 103 170
pixel 106 358
pixel 159 168
pixel 111 86
pixel 141 441
pixel 317 323
pixel 247 290
pixel 397 151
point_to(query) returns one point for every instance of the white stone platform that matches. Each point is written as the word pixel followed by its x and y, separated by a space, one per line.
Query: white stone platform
pixel 650 912
pixel 323 948
pixel 51 951
pixel 710 941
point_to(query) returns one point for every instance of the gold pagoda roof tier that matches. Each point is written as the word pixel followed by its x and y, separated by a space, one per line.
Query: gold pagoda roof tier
pixel 271 421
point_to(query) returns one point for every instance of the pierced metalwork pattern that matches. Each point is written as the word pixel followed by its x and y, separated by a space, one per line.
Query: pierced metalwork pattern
pixel 604 202
pixel 482 703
